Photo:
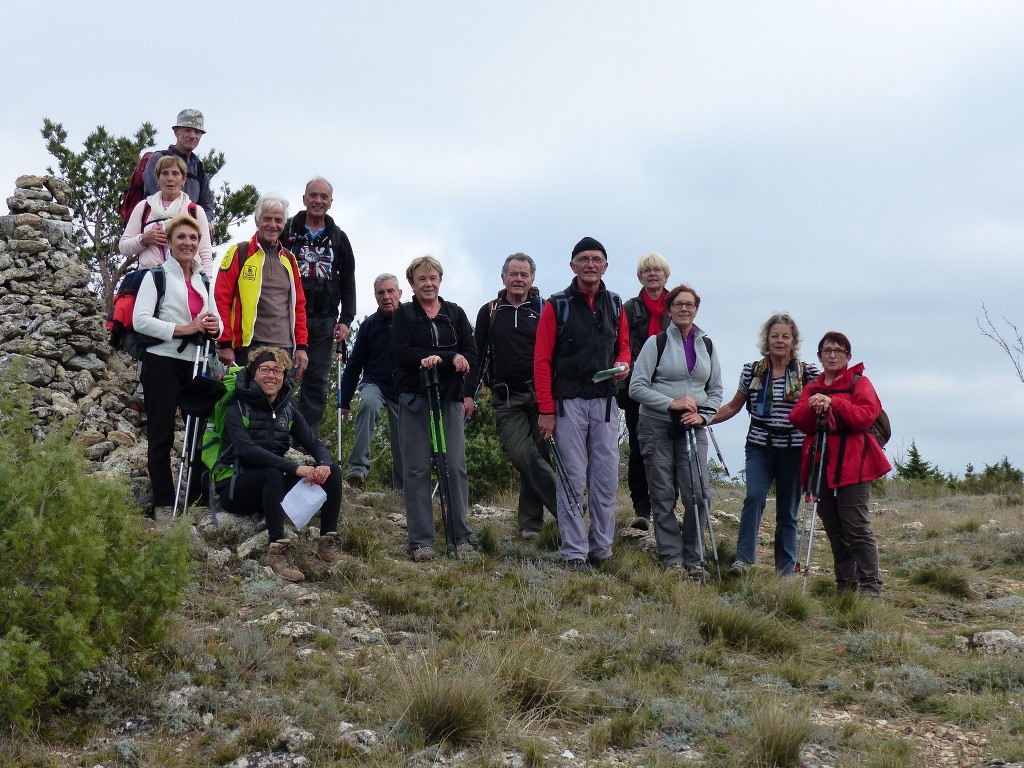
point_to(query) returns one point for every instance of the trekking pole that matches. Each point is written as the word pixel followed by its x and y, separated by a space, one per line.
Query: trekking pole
pixel 705 494
pixel 439 450
pixel 564 479
pixel 342 359
pixel 822 429
pixel 676 416
pixel 198 425
pixel 811 470
pixel 718 451
pixel 190 426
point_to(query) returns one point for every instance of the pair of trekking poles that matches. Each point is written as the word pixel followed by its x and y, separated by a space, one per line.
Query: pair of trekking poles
pixel 812 492
pixel 194 425
pixel 703 515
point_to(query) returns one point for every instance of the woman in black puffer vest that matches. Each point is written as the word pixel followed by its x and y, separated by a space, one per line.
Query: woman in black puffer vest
pixel 258 428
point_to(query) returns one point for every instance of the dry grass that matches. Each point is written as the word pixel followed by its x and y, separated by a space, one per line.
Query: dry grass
pixel 512 654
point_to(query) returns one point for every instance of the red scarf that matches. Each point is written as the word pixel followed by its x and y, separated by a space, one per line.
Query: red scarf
pixel 656 308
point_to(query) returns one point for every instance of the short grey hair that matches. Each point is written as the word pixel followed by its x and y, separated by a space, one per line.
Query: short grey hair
pixel 316 179
pixel 519 257
pixel 382 278
pixel 271 202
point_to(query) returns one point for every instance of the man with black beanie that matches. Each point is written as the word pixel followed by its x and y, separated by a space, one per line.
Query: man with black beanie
pixel 583 334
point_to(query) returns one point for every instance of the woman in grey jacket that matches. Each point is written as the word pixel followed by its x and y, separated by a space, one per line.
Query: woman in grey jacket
pixel 681 389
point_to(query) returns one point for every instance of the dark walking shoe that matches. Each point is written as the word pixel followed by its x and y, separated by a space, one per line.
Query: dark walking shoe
pixel 528 534
pixel 739 568
pixel 698 574
pixel 422 554
pixel 355 481
pixel 641 523
pixel 576 564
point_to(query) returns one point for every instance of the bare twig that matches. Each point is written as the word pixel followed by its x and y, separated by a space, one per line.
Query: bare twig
pixel 1012 344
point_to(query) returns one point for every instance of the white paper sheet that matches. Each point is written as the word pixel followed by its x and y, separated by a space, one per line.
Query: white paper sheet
pixel 303 501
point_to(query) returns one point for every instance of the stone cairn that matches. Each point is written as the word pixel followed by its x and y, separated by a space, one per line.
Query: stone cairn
pixel 52 333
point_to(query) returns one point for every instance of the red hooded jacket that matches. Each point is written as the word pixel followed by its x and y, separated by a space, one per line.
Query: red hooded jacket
pixel 853 454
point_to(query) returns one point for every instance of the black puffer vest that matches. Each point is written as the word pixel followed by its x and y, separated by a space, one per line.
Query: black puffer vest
pixel 268 427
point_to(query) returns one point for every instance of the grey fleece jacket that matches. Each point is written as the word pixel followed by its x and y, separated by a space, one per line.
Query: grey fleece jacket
pixel 654 391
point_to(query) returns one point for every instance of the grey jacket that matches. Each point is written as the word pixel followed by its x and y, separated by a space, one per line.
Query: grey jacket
pixel 655 389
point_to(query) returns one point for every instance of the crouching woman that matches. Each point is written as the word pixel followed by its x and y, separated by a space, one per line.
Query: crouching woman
pixel 260 423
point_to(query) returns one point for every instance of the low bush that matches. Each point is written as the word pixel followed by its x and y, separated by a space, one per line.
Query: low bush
pixel 81 576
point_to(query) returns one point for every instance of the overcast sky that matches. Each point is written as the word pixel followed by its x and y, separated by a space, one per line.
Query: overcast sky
pixel 858 164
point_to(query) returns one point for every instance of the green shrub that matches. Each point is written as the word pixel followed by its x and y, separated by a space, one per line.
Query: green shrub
pixel 739 627
pixel 80 575
pixel 777 732
pixel 952 580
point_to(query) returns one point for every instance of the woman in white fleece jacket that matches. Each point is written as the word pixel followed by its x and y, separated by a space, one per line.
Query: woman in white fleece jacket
pixel 681 391
pixel 144 234
pixel 184 316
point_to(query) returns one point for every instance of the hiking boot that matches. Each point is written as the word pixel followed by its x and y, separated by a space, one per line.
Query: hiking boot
pixel 678 568
pixel 697 573
pixel 162 517
pixel 528 534
pixel 576 564
pixel 328 548
pixel 641 523
pixel 739 568
pixel 355 480
pixel 277 559
pixel 599 562
pixel 466 551
pixel 422 554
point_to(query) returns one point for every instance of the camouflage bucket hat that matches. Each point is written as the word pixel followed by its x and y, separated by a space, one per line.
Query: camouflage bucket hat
pixel 190 118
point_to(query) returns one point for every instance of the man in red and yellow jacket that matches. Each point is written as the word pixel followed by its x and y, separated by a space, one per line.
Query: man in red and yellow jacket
pixel 259 292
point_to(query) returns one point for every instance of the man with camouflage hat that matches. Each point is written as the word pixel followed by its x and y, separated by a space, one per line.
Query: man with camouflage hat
pixel 188 130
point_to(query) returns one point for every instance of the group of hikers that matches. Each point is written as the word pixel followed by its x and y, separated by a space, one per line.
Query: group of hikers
pixel 559 370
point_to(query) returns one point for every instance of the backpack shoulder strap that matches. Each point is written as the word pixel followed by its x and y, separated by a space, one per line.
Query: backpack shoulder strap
pixel 160 284
pixel 708 345
pixel 660 341
pixel 146 210
pixel 192 210
pixel 561 308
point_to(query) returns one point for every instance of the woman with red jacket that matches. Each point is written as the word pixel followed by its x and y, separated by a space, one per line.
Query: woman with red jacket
pixel 843 402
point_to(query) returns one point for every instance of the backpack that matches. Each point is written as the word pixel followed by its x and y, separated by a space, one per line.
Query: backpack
pixel 562 308
pixel 119 322
pixel 136 191
pixel 880 428
pixel 213 440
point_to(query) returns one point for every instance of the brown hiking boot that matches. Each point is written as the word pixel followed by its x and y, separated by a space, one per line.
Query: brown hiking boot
pixel 277 559
pixel 328 548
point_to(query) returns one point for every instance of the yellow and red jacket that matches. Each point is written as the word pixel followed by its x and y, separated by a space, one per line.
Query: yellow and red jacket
pixel 237 294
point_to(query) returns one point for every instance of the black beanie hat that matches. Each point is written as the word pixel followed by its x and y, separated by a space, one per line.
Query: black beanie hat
pixel 589 244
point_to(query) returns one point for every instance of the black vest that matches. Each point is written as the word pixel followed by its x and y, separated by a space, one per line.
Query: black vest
pixel 586 342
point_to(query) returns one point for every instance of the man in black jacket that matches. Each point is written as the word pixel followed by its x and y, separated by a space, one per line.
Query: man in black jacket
pixel 506 333
pixel 327 267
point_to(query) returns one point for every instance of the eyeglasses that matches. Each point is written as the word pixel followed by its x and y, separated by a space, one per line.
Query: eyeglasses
pixel 677 305
pixel 833 352
pixel 270 370
pixel 597 261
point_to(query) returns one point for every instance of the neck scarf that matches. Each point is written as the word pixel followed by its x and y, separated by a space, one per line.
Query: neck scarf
pixel 177 207
pixel 656 308
pixel 761 383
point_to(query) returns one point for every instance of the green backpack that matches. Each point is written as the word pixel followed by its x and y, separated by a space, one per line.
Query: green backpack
pixel 213 440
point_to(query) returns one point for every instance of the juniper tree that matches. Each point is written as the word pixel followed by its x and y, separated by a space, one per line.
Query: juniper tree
pixel 98 177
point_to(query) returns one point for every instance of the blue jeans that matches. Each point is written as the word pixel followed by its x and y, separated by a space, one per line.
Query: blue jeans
pixel 764 465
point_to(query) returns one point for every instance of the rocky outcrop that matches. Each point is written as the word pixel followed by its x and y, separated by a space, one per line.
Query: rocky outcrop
pixel 52 334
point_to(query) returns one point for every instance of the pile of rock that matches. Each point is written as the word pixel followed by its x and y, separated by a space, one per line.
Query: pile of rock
pixel 52 332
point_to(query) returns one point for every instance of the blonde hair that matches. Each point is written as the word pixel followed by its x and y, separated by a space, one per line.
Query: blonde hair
pixel 421 262
pixel 779 318
pixel 182 221
pixel 166 160
pixel 649 260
